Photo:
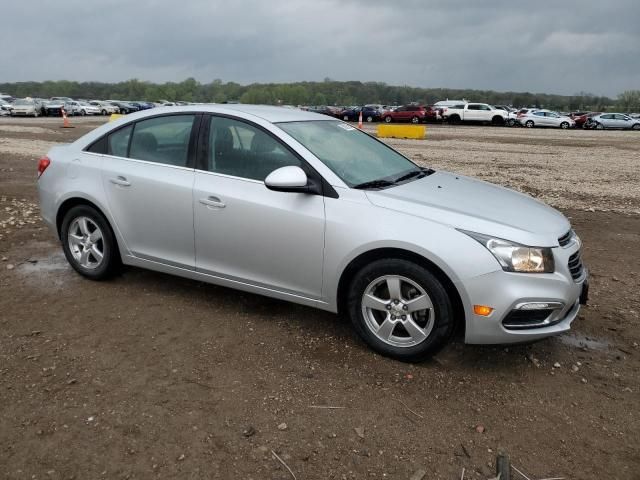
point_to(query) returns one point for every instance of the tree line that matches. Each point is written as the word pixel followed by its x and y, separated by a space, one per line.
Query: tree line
pixel 327 92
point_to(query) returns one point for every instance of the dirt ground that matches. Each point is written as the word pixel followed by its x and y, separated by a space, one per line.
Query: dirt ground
pixel 152 376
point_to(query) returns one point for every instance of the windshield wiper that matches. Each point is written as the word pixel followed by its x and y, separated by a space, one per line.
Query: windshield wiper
pixel 411 174
pixel 380 183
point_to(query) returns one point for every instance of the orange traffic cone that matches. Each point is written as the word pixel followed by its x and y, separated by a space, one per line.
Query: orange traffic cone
pixel 360 120
pixel 65 120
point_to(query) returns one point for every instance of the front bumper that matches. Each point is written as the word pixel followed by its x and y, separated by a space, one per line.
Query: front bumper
pixel 557 296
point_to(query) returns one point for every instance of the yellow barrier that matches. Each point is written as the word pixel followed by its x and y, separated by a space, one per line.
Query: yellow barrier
pixel 417 132
pixel 115 116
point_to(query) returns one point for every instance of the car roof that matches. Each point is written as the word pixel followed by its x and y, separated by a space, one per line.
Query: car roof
pixel 269 113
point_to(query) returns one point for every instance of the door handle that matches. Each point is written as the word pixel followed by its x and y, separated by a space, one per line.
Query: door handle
pixel 212 201
pixel 121 181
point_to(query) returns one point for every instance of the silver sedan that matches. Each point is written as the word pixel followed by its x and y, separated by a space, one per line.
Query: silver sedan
pixel 302 207
pixel 616 120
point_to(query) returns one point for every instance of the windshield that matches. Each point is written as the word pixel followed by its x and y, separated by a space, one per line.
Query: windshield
pixel 23 102
pixel 354 156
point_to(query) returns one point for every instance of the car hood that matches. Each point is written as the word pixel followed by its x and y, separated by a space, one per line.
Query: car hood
pixel 468 204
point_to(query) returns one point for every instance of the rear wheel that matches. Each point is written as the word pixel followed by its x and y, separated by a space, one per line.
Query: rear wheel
pixel 89 244
pixel 454 119
pixel 529 124
pixel 400 309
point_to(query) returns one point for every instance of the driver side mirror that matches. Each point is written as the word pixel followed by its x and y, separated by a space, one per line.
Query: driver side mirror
pixel 291 179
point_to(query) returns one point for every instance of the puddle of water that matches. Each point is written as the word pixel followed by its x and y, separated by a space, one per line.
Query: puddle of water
pixel 582 341
pixel 52 270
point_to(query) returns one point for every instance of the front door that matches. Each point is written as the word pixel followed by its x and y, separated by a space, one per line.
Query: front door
pixel 149 182
pixel 246 232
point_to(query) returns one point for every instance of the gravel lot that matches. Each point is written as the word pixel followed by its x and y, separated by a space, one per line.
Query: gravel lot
pixel 151 376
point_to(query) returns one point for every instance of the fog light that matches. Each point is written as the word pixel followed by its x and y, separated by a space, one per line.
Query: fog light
pixel 482 310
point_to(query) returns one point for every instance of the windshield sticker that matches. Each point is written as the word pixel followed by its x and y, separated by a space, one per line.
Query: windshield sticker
pixel 346 127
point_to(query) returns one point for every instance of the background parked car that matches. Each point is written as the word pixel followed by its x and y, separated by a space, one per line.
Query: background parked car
pixel 581 118
pixel 616 120
pixel 124 107
pixel 545 118
pixel 26 107
pixel 369 114
pixel 87 108
pixel 5 107
pixel 512 116
pixel 474 112
pixel 105 108
pixel 406 113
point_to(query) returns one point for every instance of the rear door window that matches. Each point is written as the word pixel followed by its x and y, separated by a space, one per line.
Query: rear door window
pixel 163 140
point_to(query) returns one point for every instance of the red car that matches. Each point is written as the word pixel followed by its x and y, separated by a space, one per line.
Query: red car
pixel 582 118
pixel 410 113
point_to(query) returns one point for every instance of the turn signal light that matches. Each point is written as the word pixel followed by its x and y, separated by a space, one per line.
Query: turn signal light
pixel 482 310
pixel 42 165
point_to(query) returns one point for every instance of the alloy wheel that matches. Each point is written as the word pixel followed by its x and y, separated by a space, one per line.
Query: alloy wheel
pixel 86 242
pixel 398 311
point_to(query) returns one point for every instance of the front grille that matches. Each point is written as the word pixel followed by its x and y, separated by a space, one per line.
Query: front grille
pixel 566 238
pixel 575 266
pixel 516 319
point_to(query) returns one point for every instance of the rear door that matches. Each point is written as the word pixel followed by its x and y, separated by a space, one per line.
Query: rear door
pixel 245 232
pixel 148 176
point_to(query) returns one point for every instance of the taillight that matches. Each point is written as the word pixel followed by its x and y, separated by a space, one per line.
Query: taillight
pixel 42 165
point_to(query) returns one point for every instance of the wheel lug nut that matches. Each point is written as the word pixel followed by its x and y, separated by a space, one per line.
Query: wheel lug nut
pixel 393 317
pixel 388 307
pixel 396 301
pixel 405 307
pixel 404 317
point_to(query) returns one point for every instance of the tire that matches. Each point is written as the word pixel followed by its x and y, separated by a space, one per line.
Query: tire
pixel 104 113
pixel 636 126
pixel 345 118
pixel 369 119
pixel 80 224
pixel 454 119
pixel 83 113
pixel 599 126
pixel 497 121
pixel 388 119
pixel 564 125
pixel 36 114
pixel 415 120
pixel 529 124
pixel 431 327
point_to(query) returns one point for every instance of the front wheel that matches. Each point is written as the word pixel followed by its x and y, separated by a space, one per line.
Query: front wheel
pixel 564 125
pixel 104 112
pixel 369 119
pixel 387 119
pixel 599 126
pixel 529 124
pixel 636 126
pixel 415 120
pixel 89 244
pixel 400 309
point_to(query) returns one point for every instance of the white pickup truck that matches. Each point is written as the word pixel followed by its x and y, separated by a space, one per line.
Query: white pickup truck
pixel 474 112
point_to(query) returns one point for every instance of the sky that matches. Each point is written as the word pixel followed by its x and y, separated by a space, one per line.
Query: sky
pixel 550 46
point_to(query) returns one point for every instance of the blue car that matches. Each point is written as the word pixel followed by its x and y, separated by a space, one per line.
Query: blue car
pixel 369 114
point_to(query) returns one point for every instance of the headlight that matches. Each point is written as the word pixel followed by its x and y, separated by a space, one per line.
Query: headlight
pixel 514 257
